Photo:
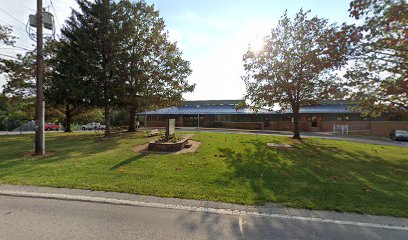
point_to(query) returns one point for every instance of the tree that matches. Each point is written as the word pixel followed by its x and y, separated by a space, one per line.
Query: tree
pixel 93 32
pixel 14 110
pixel 151 67
pixel 89 115
pixel 61 92
pixel 379 79
pixel 21 72
pixel 6 35
pixel 65 89
pixel 288 70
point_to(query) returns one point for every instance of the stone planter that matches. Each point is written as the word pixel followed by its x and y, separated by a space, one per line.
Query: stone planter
pixel 161 146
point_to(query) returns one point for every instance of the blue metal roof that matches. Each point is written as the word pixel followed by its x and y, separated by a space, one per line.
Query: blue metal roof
pixel 334 108
pixel 205 109
pixel 230 109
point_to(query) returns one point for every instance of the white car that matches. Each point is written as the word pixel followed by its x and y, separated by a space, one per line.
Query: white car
pixel 93 126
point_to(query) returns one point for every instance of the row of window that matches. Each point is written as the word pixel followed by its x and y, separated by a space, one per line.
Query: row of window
pixel 155 118
pixel 227 118
pixel 222 118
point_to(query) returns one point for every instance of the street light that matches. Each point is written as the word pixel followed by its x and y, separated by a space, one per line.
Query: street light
pixel 198 119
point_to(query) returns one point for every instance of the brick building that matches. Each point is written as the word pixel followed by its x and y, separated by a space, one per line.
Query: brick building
pixel 224 114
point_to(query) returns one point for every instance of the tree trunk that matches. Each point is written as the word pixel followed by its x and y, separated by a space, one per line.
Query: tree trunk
pixel 107 121
pixel 132 119
pixel 296 132
pixel 68 116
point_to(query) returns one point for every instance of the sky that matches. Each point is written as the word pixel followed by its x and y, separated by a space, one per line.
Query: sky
pixel 213 35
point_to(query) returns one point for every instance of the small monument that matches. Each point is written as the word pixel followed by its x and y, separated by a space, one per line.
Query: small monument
pixel 169 143
pixel 170 128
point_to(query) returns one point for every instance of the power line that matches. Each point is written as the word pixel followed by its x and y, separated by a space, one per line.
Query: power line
pixel 56 17
pixel 9 49
pixel 28 49
pixel 9 56
pixel 15 47
pixel 11 25
pixel 12 16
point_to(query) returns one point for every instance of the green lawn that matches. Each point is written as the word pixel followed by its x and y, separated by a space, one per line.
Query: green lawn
pixel 317 174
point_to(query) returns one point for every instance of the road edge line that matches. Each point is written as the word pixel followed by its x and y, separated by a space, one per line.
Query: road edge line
pixel 90 199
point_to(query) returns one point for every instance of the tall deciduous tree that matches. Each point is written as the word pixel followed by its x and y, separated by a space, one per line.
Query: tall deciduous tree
pixel 288 69
pixel 14 110
pixel 151 67
pixel 61 91
pixel 20 72
pixel 379 78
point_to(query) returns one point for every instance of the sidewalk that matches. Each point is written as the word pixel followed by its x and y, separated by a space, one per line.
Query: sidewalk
pixel 269 210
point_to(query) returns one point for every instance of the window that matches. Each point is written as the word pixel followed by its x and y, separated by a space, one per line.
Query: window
pixel 342 118
pixel 286 118
pixel 313 119
pixel 222 118
pixel 155 118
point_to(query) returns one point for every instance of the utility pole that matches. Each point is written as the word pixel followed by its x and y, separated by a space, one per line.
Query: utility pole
pixel 39 110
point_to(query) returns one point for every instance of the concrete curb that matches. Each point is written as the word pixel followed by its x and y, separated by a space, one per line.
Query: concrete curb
pixel 224 211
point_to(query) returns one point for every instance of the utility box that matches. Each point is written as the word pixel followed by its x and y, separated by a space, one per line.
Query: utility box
pixel 32 18
pixel 48 20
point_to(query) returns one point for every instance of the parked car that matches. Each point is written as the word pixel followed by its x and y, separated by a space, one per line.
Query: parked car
pixel 399 135
pixel 93 126
pixel 51 127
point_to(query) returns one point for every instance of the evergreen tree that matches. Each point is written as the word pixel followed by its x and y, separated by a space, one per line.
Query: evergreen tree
pixel 93 31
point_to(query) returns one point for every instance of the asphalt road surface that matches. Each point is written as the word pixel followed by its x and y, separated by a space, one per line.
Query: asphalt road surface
pixel 36 218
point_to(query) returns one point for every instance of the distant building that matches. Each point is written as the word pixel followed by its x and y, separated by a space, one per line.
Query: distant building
pixel 224 114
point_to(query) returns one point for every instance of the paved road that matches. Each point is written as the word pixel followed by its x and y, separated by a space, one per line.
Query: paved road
pixel 25 132
pixel 36 218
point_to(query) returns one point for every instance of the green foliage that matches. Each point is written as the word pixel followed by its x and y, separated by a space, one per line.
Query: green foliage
pixel 91 35
pixel 316 174
pixel 20 72
pixel 380 70
pixel 20 75
pixel 6 35
pixel 120 118
pixel 14 111
pixel 120 53
pixel 89 115
pixel 151 67
pixel 289 70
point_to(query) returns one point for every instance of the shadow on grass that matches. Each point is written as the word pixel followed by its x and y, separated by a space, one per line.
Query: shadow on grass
pixel 12 161
pixel 313 175
pixel 127 161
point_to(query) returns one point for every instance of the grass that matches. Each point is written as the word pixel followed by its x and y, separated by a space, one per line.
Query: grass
pixel 316 174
